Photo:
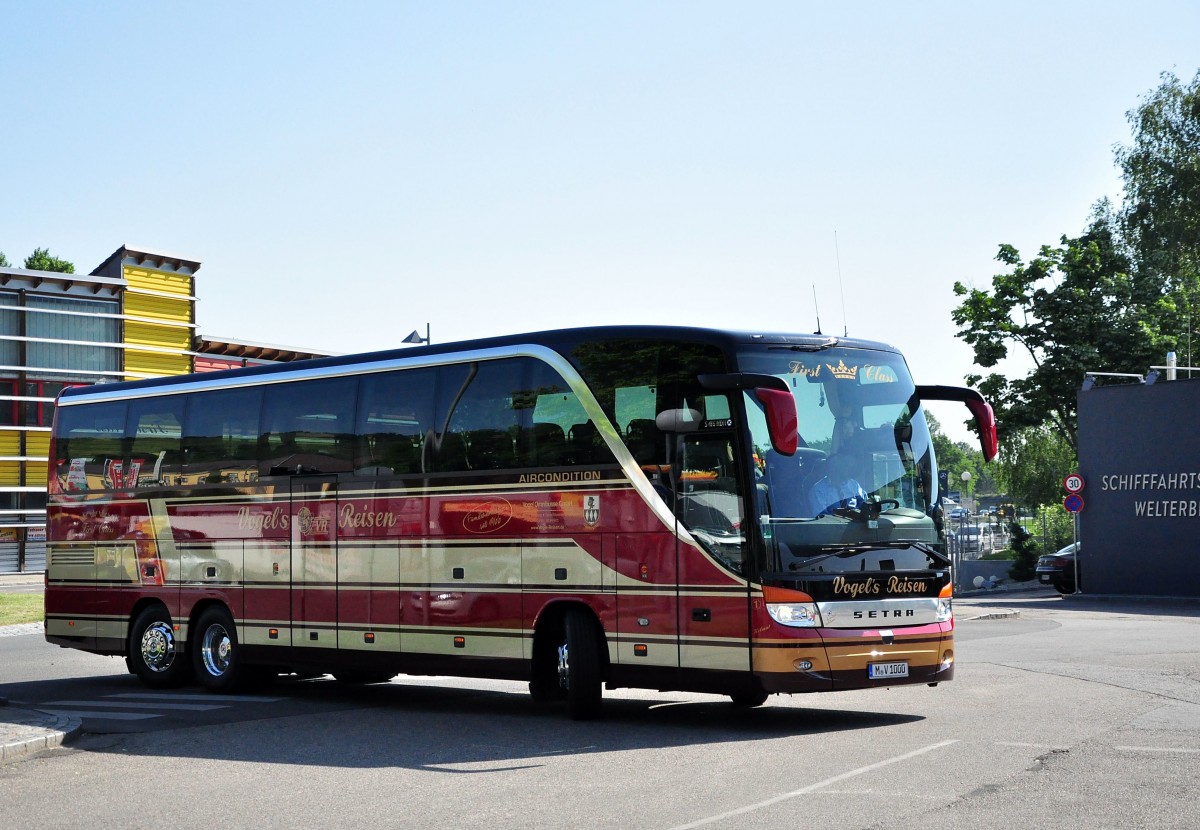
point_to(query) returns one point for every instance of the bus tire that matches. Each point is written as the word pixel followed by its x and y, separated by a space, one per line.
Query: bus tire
pixel 544 685
pixel 748 700
pixel 215 653
pixel 154 654
pixel 579 665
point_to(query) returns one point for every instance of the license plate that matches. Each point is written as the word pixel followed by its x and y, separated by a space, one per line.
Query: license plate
pixel 1044 578
pixel 876 671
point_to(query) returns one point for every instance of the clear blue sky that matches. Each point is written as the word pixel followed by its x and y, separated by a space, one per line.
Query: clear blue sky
pixel 348 172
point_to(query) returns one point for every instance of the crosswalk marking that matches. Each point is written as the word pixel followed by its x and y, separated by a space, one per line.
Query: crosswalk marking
pixel 184 696
pixel 119 704
pixel 150 704
pixel 82 713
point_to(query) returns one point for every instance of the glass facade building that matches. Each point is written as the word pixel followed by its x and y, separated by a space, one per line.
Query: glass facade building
pixel 132 317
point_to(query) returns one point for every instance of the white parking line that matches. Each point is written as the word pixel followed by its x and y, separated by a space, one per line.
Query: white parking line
pixel 1021 745
pixel 1166 749
pixel 814 787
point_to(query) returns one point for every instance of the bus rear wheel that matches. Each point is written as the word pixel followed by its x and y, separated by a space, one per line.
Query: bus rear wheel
pixel 579 665
pixel 155 656
pixel 215 653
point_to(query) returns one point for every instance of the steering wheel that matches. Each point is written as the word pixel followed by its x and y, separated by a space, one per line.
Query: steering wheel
pixel 870 510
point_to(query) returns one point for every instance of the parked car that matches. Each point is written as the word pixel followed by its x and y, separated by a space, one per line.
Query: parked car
pixel 1058 569
pixel 974 538
pixel 959 513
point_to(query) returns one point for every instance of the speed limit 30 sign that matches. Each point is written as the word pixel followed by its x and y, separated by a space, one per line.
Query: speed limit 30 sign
pixel 1073 483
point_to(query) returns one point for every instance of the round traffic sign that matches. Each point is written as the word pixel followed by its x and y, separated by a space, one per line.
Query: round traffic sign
pixel 1073 483
pixel 1073 503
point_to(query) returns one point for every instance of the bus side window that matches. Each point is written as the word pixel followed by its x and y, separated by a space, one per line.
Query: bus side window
pixel 220 436
pixel 552 420
pixel 481 431
pixel 154 428
pixel 541 445
pixel 90 439
pixel 586 446
pixel 645 441
pixel 308 427
pixel 395 412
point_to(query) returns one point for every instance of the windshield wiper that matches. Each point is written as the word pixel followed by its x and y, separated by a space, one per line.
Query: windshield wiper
pixel 842 551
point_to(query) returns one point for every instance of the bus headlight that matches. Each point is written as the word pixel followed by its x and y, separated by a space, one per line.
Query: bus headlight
pixel 945 606
pixel 795 614
pixel 793 608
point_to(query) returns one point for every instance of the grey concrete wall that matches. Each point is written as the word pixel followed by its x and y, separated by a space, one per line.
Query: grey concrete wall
pixel 1139 455
pixel 967 570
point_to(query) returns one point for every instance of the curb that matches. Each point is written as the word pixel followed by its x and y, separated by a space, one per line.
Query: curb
pixel 1006 614
pixel 21 578
pixel 25 732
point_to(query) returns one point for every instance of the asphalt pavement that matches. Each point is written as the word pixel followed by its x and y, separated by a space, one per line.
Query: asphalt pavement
pixel 25 732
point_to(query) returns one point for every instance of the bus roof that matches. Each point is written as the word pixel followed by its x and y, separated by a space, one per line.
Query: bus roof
pixel 554 339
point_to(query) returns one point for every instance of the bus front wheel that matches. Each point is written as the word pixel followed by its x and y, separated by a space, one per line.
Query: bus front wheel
pixel 154 654
pixel 748 700
pixel 215 653
pixel 579 666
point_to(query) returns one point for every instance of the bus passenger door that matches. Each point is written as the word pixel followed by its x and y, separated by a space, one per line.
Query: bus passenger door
pixel 714 619
pixel 314 561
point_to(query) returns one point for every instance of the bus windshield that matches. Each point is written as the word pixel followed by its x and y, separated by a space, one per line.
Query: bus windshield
pixel 863 473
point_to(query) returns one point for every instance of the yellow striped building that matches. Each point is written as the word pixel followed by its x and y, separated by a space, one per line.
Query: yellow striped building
pixel 133 317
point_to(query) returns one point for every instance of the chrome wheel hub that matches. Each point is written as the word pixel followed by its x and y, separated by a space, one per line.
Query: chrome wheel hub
pixel 158 647
pixel 564 667
pixel 216 650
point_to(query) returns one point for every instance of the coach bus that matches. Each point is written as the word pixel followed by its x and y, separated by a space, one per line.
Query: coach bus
pixel 640 507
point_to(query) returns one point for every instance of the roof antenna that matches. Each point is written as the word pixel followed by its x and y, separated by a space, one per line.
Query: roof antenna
pixel 818 310
pixel 842 288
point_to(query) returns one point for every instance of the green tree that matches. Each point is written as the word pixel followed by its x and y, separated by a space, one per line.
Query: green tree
pixel 1161 173
pixel 1032 465
pixel 1072 308
pixel 950 455
pixel 957 457
pixel 1115 298
pixel 41 260
pixel 3 260
pixel 1054 526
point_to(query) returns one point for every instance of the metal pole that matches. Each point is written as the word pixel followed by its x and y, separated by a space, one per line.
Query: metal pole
pixel 1075 525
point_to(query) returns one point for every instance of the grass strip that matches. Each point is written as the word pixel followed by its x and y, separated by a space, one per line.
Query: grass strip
pixel 20 608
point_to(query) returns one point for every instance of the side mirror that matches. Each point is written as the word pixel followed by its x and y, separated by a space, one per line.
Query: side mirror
pixel 783 423
pixel 985 419
pixel 678 420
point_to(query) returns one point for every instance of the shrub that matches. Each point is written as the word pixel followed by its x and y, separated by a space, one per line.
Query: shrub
pixel 1025 554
